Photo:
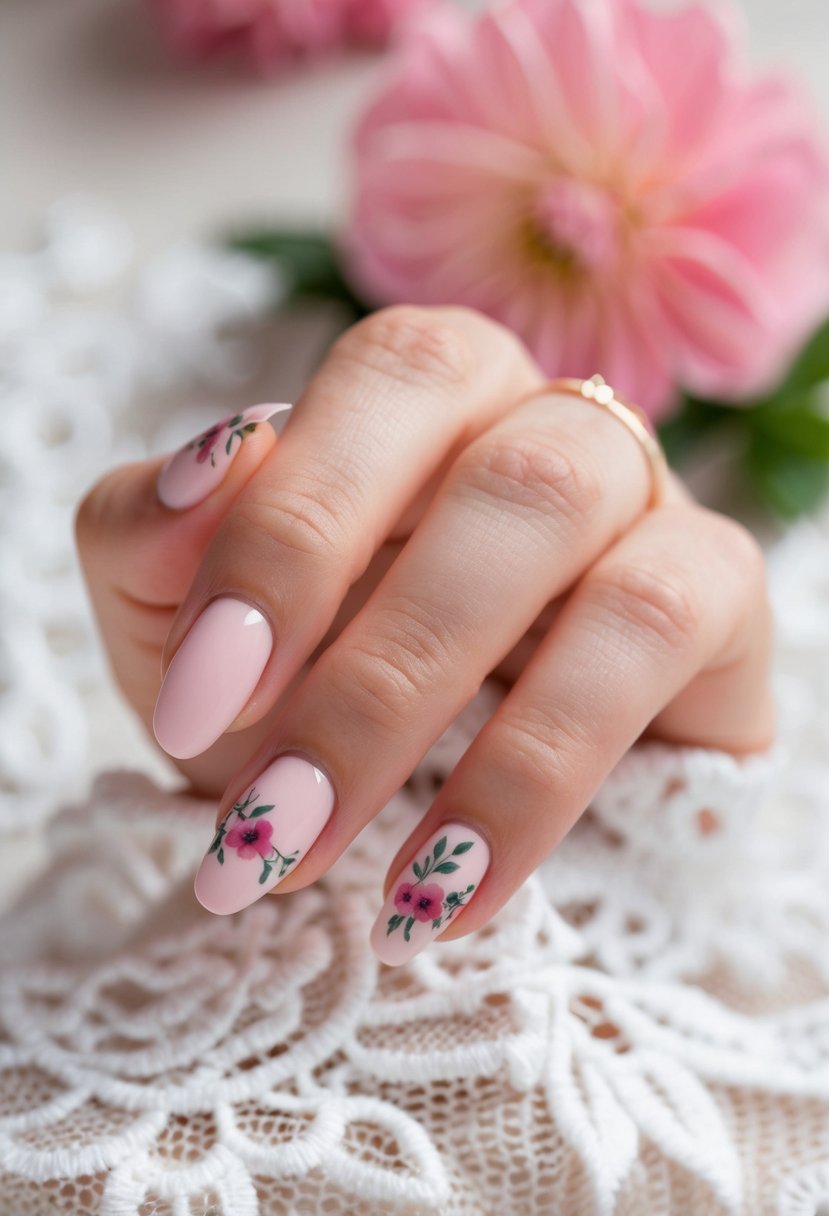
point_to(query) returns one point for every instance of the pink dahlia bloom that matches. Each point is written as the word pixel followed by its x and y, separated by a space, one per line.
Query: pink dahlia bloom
pixel 611 182
pixel 273 31
pixel 251 838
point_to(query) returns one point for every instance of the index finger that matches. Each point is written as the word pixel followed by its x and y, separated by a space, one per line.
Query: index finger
pixel 397 395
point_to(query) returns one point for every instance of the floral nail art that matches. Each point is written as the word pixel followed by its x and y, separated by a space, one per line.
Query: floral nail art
pixel 428 892
pixel 204 444
pixel 197 468
pixel 265 836
pixel 251 836
pixel 428 901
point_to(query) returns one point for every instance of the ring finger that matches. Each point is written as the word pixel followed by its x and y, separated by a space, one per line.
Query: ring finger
pixel 524 510
pixel 641 640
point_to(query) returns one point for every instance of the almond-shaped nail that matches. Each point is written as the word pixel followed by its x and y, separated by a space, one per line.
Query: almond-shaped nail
pixel 264 836
pixel 429 891
pixel 196 469
pixel 212 675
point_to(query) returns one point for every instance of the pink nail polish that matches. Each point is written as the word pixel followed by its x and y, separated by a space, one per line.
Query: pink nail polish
pixel 212 675
pixel 429 891
pixel 196 469
pixel 265 835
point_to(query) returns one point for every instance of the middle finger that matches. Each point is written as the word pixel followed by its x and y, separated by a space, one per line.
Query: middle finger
pixel 521 514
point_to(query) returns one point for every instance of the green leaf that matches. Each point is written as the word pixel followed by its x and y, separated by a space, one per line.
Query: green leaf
pixel 408 928
pixel 463 847
pixel 447 867
pixel 800 427
pixel 811 367
pixel 250 427
pixel 308 263
pixel 266 871
pixel 418 873
pixel 394 923
pixel 436 923
pixel 440 847
pixel 692 421
pixel 452 898
pixel 217 841
pixel 789 482
pixel 235 420
pixel 220 857
pixel 229 442
pixel 261 810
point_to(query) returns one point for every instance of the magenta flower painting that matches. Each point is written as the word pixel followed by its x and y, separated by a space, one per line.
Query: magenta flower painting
pixel 250 839
pixel 610 181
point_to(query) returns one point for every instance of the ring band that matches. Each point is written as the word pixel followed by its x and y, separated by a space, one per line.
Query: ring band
pixel 598 393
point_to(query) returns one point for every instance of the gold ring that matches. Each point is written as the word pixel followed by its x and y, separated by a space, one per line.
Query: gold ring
pixel 597 392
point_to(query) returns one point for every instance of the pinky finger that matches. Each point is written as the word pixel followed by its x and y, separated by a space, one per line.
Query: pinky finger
pixel 675 637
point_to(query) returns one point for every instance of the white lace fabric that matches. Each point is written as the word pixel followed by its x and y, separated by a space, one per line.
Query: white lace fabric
pixel 642 1031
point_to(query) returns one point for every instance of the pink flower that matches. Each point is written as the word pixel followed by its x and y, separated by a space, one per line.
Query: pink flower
pixel 275 31
pixel 610 182
pixel 250 837
pixel 421 902
pixel 206 442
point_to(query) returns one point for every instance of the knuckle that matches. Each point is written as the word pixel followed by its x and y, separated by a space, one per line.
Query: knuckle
pixel 537 754
pixel 308 516
pixel 389 668
pixel 656 604
pixel 410 344
pixel 533 474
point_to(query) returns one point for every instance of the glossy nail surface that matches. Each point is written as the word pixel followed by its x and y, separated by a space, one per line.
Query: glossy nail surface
pixel 196 469
pixel 212 675
pixel 264 836
pixel 429 891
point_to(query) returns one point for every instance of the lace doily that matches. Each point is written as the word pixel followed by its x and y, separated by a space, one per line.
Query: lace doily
pixel 644 1030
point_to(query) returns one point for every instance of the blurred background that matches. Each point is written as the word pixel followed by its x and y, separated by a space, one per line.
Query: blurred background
pixel 93 101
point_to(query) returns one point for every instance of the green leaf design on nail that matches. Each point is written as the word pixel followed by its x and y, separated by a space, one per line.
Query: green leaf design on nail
pixel 428 902
pixel 261 810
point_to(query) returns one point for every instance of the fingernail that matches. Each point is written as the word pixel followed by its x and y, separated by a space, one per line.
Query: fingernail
pixel 212 675
pixel 197 468
pixel 429 891
pixel 265 835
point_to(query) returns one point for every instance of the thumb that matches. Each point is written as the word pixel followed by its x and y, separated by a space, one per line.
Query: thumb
pixel 142 531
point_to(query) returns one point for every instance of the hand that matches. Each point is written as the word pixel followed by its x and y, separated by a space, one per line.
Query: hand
pixel 326 603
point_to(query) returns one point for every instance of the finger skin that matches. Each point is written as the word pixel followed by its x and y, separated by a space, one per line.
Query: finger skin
pixel 522 512
pixel 397 395
pixel 642 641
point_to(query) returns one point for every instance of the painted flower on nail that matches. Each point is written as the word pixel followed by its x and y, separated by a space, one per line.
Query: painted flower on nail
pixel 206 442
pixel 422 901
pixel 251 837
